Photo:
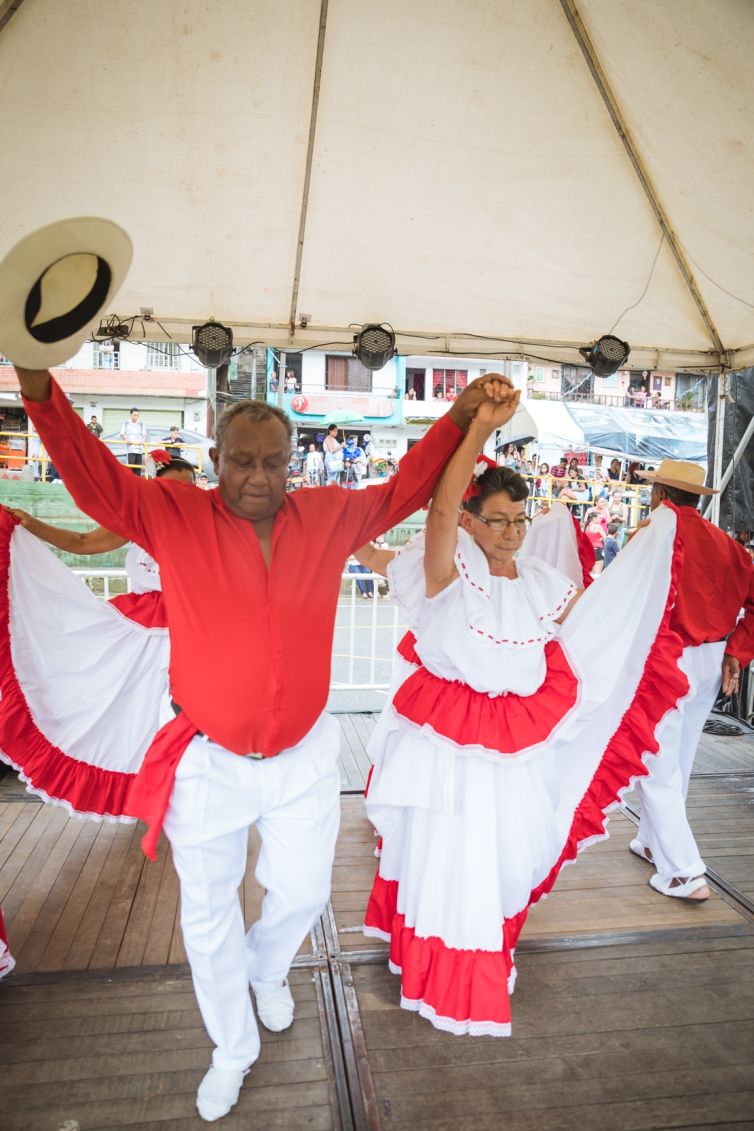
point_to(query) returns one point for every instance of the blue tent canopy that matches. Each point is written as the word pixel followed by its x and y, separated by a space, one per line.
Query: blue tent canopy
pixel 642 433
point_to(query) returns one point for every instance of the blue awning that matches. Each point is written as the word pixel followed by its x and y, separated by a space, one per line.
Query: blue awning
pixel 641 433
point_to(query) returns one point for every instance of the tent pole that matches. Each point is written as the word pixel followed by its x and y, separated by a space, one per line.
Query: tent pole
pixel 7 9
pixel 281 379
pixel 309 162
pixel 717 458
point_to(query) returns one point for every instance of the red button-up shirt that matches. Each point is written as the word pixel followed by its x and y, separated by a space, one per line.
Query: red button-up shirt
pixel 250 646
pixel 715 583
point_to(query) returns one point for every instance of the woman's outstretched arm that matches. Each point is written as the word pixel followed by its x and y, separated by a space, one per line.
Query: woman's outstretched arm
pixel 97 541
pixel 442 520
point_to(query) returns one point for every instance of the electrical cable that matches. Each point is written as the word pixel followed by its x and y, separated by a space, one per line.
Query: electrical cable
pixel 646 285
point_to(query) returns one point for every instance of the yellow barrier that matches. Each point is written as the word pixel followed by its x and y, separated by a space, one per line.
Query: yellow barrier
pixel 634 509
pixel 14 452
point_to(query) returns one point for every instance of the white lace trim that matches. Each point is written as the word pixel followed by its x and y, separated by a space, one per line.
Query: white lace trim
pixel 467 1028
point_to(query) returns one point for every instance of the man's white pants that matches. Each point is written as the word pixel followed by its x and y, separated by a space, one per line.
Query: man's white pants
pixel 664 828
pixel 294 800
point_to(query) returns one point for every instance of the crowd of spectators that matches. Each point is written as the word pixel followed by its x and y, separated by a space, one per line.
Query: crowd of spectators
pixel 605 496
pixel 340 461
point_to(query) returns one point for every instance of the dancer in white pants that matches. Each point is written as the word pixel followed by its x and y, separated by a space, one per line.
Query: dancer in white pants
pixel 664 828
pixel 293 800
pixel 715 583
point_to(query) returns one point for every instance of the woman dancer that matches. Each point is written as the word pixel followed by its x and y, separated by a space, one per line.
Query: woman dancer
pixel 507 737
pixel 72 666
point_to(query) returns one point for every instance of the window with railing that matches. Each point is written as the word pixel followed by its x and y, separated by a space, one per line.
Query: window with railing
pixel 163 355
pixel 576 382
pixel 347 374
pixel 447 383
pixel 106 355
pixel 690 390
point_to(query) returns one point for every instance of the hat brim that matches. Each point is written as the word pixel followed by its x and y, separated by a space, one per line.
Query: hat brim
pixel 679 484
pixel 27 262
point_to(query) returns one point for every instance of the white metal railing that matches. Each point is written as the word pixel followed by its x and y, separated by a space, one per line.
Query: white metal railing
pixel 367 629
pixel 96 573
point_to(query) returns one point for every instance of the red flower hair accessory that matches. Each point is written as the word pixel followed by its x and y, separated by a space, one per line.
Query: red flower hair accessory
pixel 483 463
pixel 160 457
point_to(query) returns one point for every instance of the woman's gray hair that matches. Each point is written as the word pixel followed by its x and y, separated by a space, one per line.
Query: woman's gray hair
pixel 256 411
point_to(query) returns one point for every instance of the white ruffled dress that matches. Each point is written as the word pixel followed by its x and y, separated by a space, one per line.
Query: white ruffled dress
pixel 506 740
pixel 83 682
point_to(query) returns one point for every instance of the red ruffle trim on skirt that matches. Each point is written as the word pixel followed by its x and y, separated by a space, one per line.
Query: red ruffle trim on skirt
pixel 507 723
pixel 465 992
pixel 660 689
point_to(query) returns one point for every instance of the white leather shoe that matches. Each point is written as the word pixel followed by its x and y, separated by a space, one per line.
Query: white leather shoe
pixel 691 888
pixel 218 1092
pixel 275 1009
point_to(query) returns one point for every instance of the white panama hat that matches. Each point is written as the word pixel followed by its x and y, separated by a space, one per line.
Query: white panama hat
pixel 55 283
pixel 681 474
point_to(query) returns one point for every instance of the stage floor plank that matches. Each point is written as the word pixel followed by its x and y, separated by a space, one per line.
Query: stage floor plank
pixel 632 1037
pixel 125 1052
pixel 632 1011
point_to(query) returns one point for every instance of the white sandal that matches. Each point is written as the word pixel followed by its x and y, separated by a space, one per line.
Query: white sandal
pixel 640 849
pixel 680 887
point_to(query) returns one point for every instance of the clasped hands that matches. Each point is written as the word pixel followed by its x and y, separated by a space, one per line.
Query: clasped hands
pixel 490 401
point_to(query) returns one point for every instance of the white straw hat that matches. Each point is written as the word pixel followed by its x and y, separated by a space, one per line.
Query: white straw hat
pixel 55 283
pixel 678 473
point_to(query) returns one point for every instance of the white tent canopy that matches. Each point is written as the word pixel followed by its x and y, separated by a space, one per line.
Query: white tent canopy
pixel 496 177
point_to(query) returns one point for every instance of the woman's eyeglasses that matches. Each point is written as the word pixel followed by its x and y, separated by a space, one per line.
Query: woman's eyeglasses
pixel 521 525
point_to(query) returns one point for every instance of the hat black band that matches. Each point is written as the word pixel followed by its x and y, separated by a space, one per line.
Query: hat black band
pixel 57 329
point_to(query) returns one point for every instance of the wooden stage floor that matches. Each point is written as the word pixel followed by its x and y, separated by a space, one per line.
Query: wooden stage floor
pixel 631 1011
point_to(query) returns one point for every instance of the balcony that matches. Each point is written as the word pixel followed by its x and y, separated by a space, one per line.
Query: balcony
pixel 622 400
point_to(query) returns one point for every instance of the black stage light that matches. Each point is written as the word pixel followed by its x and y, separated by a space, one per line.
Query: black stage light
pixel 606 356
pixel 374 345
pixel 212 343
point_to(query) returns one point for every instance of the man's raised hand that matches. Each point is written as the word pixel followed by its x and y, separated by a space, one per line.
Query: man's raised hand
pixel 492 386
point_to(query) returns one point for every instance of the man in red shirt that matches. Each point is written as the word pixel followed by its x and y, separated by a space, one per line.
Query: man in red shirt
pixel 716 582
pixel 245 571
